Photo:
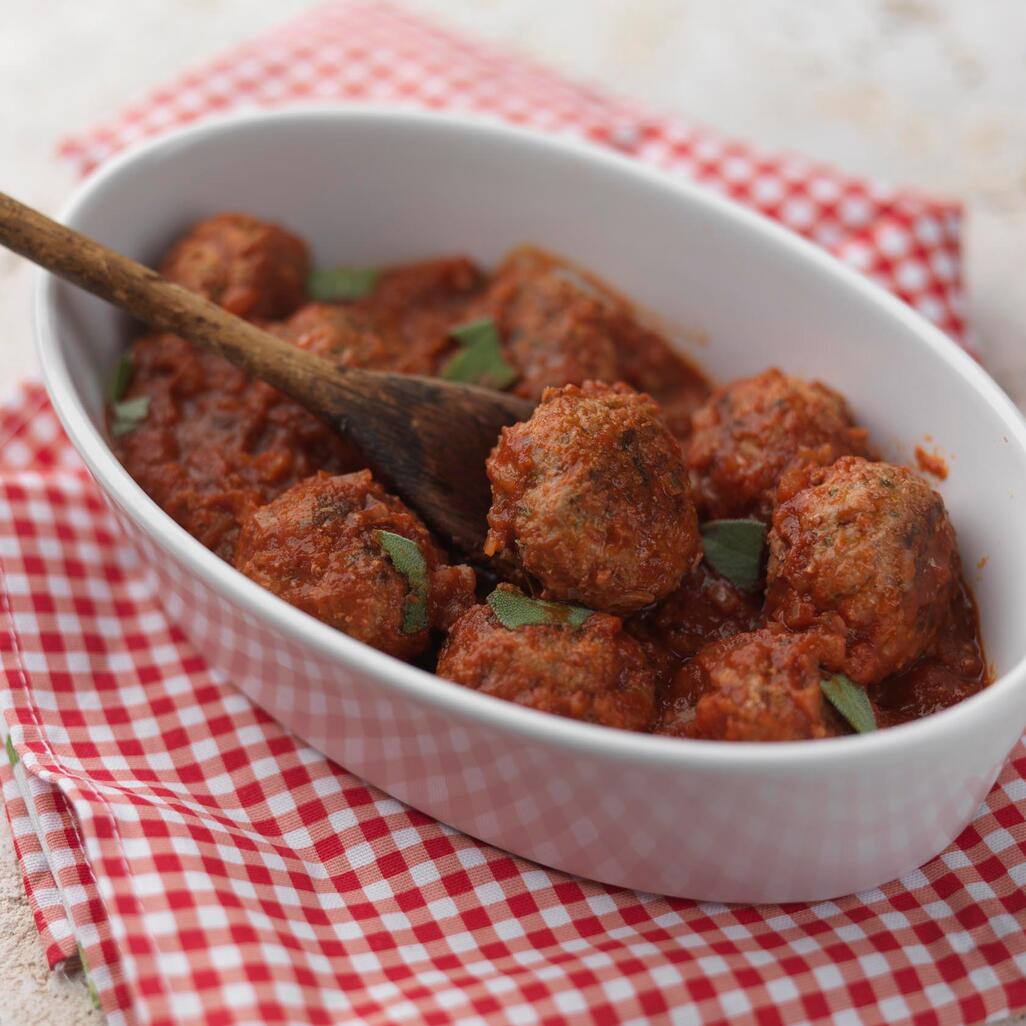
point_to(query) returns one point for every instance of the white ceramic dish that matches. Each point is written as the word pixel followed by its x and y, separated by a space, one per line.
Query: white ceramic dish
pixel 718 821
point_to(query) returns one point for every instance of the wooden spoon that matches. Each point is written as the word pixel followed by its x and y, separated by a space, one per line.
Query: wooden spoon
pixel 424 437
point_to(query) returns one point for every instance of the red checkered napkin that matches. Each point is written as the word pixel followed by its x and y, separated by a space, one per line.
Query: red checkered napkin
pixel 208 868
pixel 360 50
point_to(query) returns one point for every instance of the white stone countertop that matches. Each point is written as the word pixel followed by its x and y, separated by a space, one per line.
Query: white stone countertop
pixel 930 93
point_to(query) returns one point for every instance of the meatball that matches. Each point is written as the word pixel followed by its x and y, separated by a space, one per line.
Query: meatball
pixel 318 547
pixel 555 331
pixel 214 444
pixel 752 436
pixel 868 547
pixel 564 326
pixel 251 268
pixel 760 686
pixel 595 672
pixel 344 336
pixel 590 497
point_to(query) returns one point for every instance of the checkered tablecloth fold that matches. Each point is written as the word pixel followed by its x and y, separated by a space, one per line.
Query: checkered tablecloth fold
pixel 206 867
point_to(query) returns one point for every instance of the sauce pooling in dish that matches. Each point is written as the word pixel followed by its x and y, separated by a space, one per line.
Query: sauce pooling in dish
pixel 732 564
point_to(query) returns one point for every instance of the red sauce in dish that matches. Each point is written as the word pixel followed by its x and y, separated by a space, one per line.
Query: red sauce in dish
pixel 606 609
pixel 954 669
pixel 931 463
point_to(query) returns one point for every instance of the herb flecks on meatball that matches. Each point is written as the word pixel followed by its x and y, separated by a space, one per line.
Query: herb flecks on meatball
pixel 760 686
pixel 334 547
pixel 592 671
pixel 869 547
pixel 590 498
pixel 251 268
pixel 752 436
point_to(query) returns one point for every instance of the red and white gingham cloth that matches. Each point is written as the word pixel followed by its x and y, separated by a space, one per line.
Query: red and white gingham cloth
pixel 208 868
pixel 361 50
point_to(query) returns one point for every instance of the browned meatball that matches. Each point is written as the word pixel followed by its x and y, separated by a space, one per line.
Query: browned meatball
pixel 595 672
pixel 590 497
pixel 556 331
pixel 318 547
pixel 752 435
pixel 564 326
pixel 343 335
pixel 867 546
pixel 250 267
pixel 761 686
pixel 215 444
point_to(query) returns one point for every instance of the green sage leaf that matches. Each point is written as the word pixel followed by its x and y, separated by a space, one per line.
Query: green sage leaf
pixel 129 414
pixel 334 284
pixel 12 754
pixel 121 378
pixel 851 701
pixel 733 548
pixel 480 360
pixel 514 609
pixel 409 561
pixel 94 995
pixel 476 332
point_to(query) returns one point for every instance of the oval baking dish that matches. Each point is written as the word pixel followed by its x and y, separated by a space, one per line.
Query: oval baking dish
pixel 709 820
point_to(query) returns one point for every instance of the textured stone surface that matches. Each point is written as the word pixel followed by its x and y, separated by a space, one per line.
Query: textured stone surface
pixel 928 92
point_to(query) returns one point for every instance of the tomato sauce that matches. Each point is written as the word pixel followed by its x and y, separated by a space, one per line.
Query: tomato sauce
pixel 955 669
pixel 932 463
pixel 230 458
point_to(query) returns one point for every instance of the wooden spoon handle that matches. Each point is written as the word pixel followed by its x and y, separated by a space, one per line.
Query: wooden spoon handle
pixel 426 437
pixel 144 294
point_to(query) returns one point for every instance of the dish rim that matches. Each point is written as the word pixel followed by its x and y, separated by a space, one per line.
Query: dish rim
pixel 446 696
